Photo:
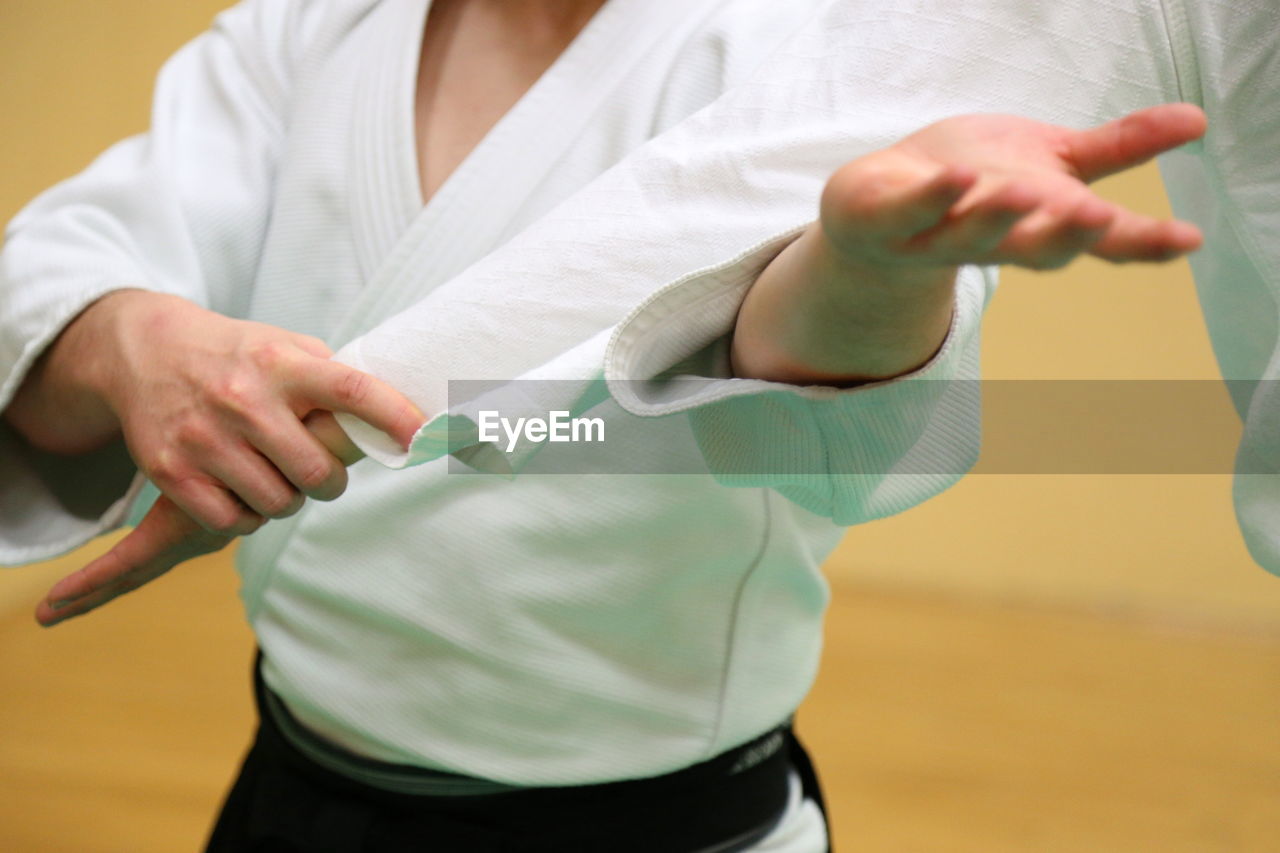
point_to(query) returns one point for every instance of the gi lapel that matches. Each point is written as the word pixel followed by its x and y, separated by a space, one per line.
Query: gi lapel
pixel 407 255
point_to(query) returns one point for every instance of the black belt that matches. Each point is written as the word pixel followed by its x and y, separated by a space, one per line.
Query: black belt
pixel 724 804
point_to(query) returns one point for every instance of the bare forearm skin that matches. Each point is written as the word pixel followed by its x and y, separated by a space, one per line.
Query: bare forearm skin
pixel 818 315
pixel 60 408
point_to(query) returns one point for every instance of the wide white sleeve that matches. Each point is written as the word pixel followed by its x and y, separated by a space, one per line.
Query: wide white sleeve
pixel 182 209
pixel 1229 61
pixel 649 263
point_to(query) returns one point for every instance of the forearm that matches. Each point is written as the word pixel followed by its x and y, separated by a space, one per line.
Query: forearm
pixel 60 408
pixel 820 315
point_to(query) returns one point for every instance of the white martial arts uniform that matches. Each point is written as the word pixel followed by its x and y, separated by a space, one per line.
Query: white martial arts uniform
pixel 544 629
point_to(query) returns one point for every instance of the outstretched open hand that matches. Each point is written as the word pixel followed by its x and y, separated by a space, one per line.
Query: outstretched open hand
pixel 165 537
pixel 1000 189
pixel 866 293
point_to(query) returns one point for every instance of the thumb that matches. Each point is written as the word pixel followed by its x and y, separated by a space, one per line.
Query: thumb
pixel 165 537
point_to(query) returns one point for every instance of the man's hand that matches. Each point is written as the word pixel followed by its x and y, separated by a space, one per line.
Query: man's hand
pixel 232 421
pixel 210 407
pixel 866 293
pixel 165 537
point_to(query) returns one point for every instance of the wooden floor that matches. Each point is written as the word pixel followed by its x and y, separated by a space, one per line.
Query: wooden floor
pixel 942 722
pixel 938 725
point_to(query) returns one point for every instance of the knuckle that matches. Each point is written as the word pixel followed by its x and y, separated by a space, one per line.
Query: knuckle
pixel 280 504
pixel 408 417
pixel 317 477
pixel 354 387
pixel 194 433
pixel 268 355
pixel 236 393
pixel 225 523
pixel 339 484
pixel 229 520
pixel 240 524
pixel 164 468
pixel 334 488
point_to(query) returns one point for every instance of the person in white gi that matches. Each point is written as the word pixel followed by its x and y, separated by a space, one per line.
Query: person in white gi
pixel 647 208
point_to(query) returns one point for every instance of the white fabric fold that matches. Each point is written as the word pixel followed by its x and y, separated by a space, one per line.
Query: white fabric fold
pixel 584 628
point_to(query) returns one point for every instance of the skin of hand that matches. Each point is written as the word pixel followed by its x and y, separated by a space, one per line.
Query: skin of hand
pixel 230 419
pixel 165 537
pixel 210 407
pixel 866 293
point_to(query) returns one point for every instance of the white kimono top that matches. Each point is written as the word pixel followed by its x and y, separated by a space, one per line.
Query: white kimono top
pixel 548 629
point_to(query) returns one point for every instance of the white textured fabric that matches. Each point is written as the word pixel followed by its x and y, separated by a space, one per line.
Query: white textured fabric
pixel 542 629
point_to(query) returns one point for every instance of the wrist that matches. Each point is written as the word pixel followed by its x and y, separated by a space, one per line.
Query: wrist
pixel 62 405
pixel 89 353
pixel 820 314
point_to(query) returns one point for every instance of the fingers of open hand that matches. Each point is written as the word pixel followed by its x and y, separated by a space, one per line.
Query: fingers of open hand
pixel 1132 139
pixel 1056 233
pixel 1005 190
pixel 890 210
pixel 1134 237
pixel 1045 226
pixel 970 232
pixel 165 537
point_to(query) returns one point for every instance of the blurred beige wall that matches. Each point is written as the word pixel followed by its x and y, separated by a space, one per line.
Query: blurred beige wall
pixel 77 77
pixel 1163 547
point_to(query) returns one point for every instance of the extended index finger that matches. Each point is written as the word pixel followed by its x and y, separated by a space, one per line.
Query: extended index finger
pixel 339 388
pixel 1132 139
